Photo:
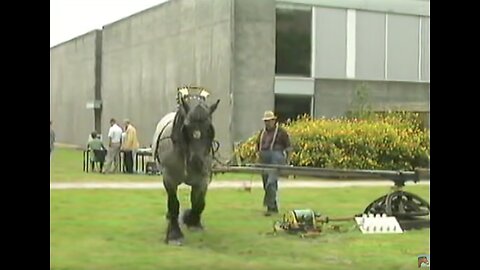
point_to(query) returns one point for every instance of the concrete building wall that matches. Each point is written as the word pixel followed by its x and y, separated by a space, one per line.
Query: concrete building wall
pixel 73 84
pixel 148 55
pixel 253 70
pixel 333 98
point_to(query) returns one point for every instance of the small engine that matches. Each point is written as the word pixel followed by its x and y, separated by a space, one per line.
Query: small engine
pixel 305 222
pixel 298 221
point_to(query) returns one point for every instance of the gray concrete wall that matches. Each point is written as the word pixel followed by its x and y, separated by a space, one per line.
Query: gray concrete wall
pixel 73 81
pixel 253 70
pixel 148 55
pixel 333 98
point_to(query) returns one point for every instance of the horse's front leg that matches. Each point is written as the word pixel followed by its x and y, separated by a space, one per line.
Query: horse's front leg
pixel 192 217
pixel 174 233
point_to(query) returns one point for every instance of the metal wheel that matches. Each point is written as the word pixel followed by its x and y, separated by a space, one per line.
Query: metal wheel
pixel 405 204
pixel 377 207
pixel 400 204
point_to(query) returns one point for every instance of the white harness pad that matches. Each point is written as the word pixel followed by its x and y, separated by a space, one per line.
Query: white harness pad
pixel 162 143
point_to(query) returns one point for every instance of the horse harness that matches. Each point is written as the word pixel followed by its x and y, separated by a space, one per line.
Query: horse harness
pixel 214 150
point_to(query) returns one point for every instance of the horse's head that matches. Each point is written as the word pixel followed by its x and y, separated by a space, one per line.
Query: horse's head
pixel 193 130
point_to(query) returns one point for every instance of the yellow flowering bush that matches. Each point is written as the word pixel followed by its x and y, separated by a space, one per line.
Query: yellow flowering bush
pixel 394 141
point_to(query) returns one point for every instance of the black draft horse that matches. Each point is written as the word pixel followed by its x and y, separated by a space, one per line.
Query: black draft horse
pixel 182 145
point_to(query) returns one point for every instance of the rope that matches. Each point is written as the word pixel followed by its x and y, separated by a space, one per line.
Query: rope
pixel 215 148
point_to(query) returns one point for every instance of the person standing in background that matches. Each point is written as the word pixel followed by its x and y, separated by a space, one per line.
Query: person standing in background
pixel 273 146
pixel 129 145
pixel 114 143
pixel 97 151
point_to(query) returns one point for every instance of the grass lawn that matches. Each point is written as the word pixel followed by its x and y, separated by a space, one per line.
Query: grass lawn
pixel 124 229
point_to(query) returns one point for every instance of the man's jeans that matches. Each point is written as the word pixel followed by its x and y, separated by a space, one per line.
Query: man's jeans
pixel 270 180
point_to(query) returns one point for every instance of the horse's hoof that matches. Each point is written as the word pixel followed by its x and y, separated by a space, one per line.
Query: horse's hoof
pixel 192 224
pixel 183 217
pixel 175 242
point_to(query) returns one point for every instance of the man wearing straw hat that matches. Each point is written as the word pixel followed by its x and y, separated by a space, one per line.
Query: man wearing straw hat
pixel 273 145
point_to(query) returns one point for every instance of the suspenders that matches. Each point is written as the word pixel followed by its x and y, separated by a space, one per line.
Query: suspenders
pixel 273 139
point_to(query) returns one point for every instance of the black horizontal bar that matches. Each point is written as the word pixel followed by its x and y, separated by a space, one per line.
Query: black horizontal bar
pixel 401 176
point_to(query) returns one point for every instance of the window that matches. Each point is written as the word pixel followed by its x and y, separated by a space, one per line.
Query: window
pixel 292 106
pixel 293 41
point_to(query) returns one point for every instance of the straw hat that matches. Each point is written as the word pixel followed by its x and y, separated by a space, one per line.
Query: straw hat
pixel 268 115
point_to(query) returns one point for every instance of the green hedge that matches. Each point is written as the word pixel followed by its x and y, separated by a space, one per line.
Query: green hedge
pixel 393 141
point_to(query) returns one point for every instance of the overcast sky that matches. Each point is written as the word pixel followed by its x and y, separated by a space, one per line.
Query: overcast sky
pixel 71 18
